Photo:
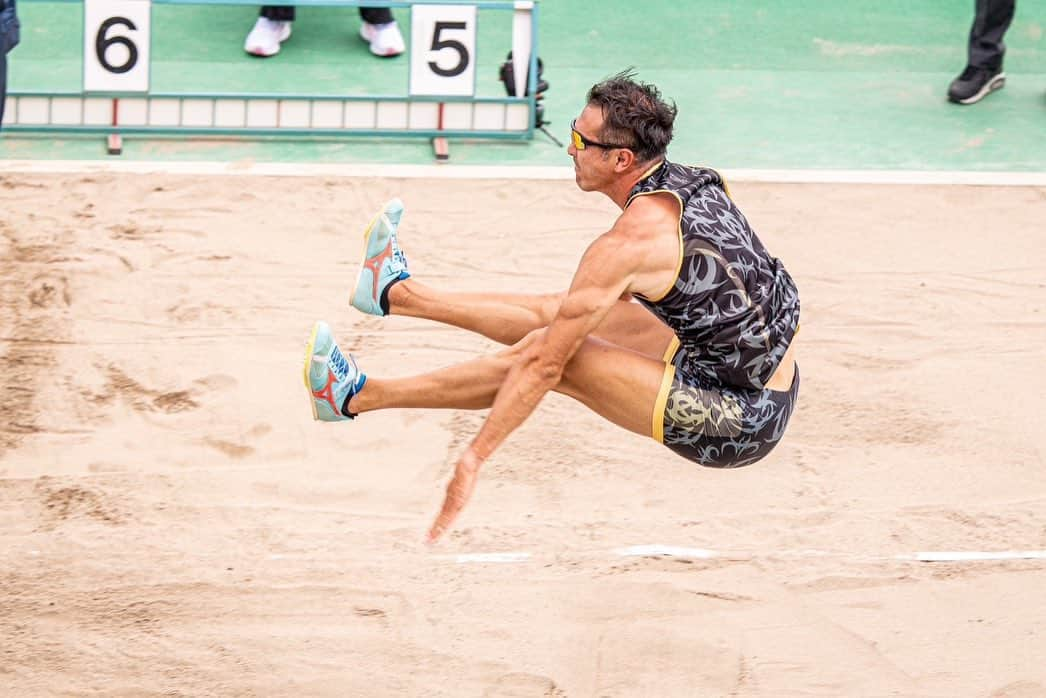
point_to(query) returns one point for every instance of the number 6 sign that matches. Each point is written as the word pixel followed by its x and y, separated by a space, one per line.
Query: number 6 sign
pixel 116 45
pixel 443 50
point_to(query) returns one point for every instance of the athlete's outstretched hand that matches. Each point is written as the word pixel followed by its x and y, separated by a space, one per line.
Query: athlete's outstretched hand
pixel 459 490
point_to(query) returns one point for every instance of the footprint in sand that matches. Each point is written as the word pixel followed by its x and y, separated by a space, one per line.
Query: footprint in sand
pixel 523 685
pixel 48 290
pixel 233 450
pixel 1020 689
pixel 369 612
pixel 61 504
pixel 143 399
pixel 177 401
pixel 125 232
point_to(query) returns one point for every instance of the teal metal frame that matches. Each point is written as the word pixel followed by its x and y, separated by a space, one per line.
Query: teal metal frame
pixel 530 100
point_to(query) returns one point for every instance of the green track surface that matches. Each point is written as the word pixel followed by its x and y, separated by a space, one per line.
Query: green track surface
pixel 801 84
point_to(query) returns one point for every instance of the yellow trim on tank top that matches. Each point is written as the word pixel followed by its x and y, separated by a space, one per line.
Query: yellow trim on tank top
pixel 652 170
pixel 670 352
pixel 657 427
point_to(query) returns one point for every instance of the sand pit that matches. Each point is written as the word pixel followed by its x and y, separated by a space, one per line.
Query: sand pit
pixel 172 521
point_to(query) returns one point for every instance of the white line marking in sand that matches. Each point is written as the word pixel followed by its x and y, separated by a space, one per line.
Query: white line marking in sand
pixel 653 550
pixel 492 557
pixel 565 172
pixel 974 556
pixel 668 551
pixel 658 550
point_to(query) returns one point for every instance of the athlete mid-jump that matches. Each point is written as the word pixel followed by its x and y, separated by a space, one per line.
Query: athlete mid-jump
pixel 703 362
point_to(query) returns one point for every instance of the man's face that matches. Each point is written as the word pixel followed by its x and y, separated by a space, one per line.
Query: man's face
pixel 593 165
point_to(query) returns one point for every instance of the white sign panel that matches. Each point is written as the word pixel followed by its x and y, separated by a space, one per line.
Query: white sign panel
pixel 116 45
pixel 443 50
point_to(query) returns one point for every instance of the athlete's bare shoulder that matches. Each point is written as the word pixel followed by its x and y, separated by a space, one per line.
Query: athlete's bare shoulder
pixel 647 233
pixel 649 215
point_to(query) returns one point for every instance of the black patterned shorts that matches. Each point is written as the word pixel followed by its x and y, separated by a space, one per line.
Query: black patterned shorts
pixel 719 426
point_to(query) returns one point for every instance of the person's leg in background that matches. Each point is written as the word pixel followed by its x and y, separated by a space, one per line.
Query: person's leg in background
pixel 379 29
pixel 272 28
pixel 983 73
pixel 9 35
pixel 3 85
pixel 992 20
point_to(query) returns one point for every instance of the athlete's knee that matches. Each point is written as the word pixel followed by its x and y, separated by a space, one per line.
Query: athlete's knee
pixel 527 342
pixel 529 352
pixel 578 370
pixel 550 306
pixel 552 302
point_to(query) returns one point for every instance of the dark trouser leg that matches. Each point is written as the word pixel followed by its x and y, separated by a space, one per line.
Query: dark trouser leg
pixel 278 13
pixel 3 84
pixel 376 15
pixel 990 23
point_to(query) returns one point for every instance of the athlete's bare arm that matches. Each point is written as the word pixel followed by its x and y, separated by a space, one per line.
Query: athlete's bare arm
pixel 639 254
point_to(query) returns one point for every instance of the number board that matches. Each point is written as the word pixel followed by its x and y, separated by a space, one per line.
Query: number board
pixel 443 50
pixel 116 45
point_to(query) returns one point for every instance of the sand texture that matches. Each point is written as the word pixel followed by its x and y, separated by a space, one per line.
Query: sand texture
pixel 174 523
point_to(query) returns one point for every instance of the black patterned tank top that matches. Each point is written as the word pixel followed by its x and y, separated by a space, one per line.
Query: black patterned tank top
pixel 733 307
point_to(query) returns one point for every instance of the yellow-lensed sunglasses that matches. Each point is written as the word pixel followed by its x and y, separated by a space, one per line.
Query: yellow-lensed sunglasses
pixel 580 142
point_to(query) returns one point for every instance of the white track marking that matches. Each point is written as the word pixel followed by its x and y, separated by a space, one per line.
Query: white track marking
pixel 685 553
pixel 648 551
pixel 393 171
pixel 491 557
pixel 667 551
pixel 974 556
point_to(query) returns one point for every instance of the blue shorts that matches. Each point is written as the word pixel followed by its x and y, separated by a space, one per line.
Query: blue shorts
pixel 715 425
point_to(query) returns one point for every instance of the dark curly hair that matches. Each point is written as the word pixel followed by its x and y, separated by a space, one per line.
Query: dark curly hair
pixel 634 112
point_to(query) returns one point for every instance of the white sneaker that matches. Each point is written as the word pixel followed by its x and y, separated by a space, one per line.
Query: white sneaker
pixel 266 37
pixel 384 39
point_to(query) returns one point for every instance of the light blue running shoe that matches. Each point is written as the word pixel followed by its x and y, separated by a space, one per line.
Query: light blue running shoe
pixel 384 264
pixel 330 377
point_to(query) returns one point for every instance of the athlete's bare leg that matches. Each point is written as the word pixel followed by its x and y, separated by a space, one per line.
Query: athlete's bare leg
pixel 620 384
pixel 508 318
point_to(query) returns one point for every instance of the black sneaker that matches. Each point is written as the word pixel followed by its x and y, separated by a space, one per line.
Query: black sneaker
pixel 974 84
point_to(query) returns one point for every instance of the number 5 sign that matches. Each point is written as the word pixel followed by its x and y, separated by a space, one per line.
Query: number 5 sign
pixel 443 50
pixel 116 45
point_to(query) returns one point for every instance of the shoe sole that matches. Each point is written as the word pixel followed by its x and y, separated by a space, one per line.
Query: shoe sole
pixel 366 244
pixel 309 348
pixel 996 83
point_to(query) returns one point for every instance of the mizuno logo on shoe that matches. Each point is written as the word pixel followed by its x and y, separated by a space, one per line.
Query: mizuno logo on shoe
pixel 327 394
pixel 374 264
